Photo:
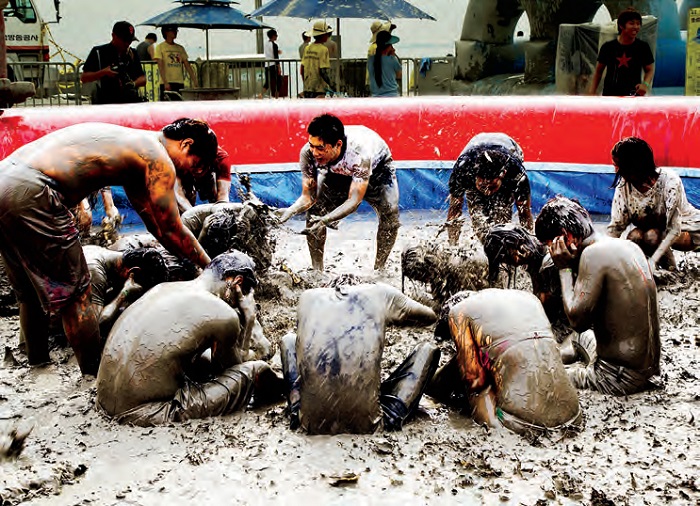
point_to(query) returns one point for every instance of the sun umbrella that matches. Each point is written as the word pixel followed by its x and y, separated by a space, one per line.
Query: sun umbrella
pixel 206 15
pixel 356 9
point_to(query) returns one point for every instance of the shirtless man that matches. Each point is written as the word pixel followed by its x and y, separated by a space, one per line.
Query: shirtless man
pixel 43 180
pixel 490 173
pixel 333 366
pixel 341 167
pixel 613 293
pixel 118 279
pixel 507 362
pixel 153 371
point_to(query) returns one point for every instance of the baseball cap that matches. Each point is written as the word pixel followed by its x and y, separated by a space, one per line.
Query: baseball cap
pixel 379 26
pixel 124 30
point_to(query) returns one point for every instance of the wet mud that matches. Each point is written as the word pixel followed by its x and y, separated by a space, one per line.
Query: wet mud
pixel 640 449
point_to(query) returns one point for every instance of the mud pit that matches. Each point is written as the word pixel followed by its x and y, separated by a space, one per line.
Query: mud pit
pixel 637 450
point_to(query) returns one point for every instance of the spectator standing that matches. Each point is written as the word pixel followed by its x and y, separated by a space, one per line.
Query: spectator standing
pixel 384 67
pixel 307 40
pixel 625 58
pixel 272 67
pixel 116 68
pixel 316 64
pixel 145 48
pixel 172 63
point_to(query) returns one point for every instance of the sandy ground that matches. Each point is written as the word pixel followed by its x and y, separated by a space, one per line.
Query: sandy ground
pixel 642 449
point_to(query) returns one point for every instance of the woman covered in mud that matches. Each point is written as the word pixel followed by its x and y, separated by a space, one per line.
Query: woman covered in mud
pixel 653 200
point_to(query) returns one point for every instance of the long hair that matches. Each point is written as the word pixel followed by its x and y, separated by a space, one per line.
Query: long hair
pixel 382 44
pixel 634 159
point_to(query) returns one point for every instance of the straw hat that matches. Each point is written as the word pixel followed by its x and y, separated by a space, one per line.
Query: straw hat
pixel 380 26
pixel 319 28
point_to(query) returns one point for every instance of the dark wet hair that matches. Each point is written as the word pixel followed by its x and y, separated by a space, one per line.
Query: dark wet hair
pixel 634 159
pixel 442 329
pixel 271 33
pixel 151 36
pixel 420 263
pixel 502 240
pixel 204 143
pixel 561 215
pixel 221 233
pixel 629 14
pixel 179 269
pixel 152 268
pixel 383 38
pixel 234 263
pixel 348 279
pixel 492 162
pixel 327 127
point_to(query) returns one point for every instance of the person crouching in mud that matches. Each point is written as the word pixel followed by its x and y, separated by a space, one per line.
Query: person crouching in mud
pixel 341 167
pixel 118 279
pixel 613 293
pixel 653 200
pixel 332 367
pixel 491 174
pixel 507 362
pixel 153 371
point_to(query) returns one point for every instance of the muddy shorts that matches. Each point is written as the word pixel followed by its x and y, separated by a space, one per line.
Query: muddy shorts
pixel 229 392
pixel 382 194
pixel 520 426
pixel 39 239
pixel 610 379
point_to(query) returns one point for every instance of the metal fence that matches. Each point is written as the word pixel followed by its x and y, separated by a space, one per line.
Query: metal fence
pixel 58 83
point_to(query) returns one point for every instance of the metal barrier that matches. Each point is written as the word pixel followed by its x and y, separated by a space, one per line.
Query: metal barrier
pixel 58 83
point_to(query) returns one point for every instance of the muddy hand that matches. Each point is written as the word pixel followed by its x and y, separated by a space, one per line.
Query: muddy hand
pixel 562 256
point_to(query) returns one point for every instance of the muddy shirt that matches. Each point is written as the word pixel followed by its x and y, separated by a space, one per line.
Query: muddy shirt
pixel 103 276
pixel 664 206
pixel 504 340
pixel 365 153
pixel 339 347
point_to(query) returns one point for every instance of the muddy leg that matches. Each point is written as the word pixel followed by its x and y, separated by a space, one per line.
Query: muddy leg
pixel 317 244
pixel 83 332
pixel 34 331
pixel 401 392
pixel 385 201
pixel 290 370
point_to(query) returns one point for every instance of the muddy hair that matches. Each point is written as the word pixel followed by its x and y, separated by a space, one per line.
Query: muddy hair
pixel 502 240
pixel 629 14
pixel 204 143
pixel 492 162
pixel 235 263
pixel 347 279
pixel 442 329
pixel 328 128
pixel 151 264
pixel 560 215
pixel 221 233
pixel 634 159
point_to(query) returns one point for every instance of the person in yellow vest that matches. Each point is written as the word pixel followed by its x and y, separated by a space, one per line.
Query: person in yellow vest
pixel 316 64
pixel 172 63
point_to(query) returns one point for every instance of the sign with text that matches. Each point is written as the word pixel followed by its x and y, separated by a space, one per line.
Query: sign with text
pixel 692 65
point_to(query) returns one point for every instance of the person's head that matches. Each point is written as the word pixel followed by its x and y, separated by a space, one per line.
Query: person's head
pixel 320 31
pixel 490 167
pixel 326 138
pixel 151 38
pixel 305 37
pixel 347 279
pixel 629 22
pixel 194 146
pixel 147 266
pixel 510 244
pixel 272 34
pixel 234 268
pixel 123 35
pixel 169 32
pixel 561 216
pixel 634 162
pixel 380 26
pixel 220 230
pixel 442 329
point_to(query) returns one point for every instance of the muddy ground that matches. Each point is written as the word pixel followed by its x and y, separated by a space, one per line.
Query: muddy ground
pixel 642 449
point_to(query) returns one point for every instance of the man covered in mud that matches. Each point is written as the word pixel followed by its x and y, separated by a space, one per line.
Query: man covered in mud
pixel 332 366
pixel 490 173
pixel 180 351
pixel 507 362
pixel 341 167
pixel 613 293
pixel 118 279
pixel 39 184
pixel 214 186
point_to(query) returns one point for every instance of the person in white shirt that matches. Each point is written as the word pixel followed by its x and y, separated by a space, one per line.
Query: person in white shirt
pixel 272 67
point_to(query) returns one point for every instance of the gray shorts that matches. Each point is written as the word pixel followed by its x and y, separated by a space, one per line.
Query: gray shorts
pixel 610 379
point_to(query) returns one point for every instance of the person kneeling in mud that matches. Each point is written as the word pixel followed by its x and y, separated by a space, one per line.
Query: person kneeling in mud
pixel 332 366
pixel 507 362
pixel 613 293
pixel 118 279
pixel 490 172
pixel 154 368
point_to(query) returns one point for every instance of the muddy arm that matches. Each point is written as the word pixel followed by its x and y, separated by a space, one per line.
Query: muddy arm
pixel 619 217
pixel 580 299
pixel 305 200
pixel 402 310
pixel 454 223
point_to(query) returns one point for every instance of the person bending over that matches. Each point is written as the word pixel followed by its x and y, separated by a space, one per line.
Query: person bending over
pixel 341 167
pixel 154 369
pixel 613 293
pixel 491 174
pixel 654 202
pixel 507 362
pixel 332 366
